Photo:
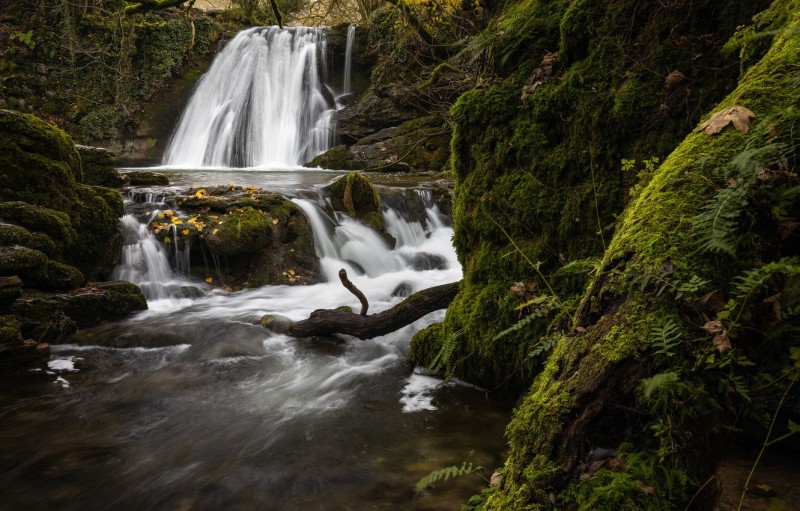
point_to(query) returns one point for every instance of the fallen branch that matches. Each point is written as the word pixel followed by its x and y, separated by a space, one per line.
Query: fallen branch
pixel 353 289
pixel 328 322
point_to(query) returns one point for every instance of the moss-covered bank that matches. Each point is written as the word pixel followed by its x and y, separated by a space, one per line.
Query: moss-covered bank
pixel 539 155
pixel 677 337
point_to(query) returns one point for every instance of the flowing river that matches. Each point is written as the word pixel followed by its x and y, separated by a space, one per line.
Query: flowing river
pixel 193 405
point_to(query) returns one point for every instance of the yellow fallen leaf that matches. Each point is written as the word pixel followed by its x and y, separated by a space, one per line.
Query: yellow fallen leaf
pixel 274 221
pixel 185 232
pixel 161 215
pixel 215 231
pixel 291 271
pixel 167 239
pixel 209 280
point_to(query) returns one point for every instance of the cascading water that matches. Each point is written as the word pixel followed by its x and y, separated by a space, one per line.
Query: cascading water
pixel 348 58
pixel 263 102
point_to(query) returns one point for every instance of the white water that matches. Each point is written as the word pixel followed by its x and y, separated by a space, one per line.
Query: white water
pixel 264 102
pixel 348 58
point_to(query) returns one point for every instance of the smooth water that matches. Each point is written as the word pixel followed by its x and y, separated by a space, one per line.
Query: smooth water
pixel 193 405
pixel 348 59
pixel 264 101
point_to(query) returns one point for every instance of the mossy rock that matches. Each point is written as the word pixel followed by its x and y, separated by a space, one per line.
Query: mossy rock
pixel 240 232
pixel 14 235
pixel 62 276
pixel 28 264
pixel 10 290
pixel 92 305
pixel 355 195
pixel 10 330
pixel 146 178
pixel 54 224
pixel 100 167
pixel 38 162
pixel 338 158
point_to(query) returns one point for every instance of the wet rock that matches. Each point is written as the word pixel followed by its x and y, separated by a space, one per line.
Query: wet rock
pixel 355 195
pixel 55 224
pixel 275 322
pixel 146 178
pixel 100 167
pixel 418 145
pixel 422 261
pixel 371 114
pixel 402 290
pixel 16 352
pixel 91 305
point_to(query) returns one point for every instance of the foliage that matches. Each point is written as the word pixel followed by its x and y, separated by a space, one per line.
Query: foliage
pixel 443 474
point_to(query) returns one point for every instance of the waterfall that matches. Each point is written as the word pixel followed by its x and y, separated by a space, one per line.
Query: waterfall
pixel 263 102
pixel 348 58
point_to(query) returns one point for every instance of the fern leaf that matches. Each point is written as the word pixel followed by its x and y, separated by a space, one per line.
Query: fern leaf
pixel 650 385
pixel 445 474
pixel 665 337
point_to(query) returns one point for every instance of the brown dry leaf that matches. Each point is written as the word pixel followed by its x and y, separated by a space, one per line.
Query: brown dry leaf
pixel 721 340
pixel 646 488
pixel 495 479
pixel 737 115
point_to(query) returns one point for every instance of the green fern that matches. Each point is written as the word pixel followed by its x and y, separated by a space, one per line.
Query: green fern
pixel 445 474
pixel 545 345
pixel 650 385
pixel 546 305
pixel 443 361
pixel 665 336
pixel 578 267
pixel 749 281
pixel 717 225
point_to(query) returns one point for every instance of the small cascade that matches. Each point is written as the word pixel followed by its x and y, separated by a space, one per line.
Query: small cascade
pixel 264 101
pixel 348 58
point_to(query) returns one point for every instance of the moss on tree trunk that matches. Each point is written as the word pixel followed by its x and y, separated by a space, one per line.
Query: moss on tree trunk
pixel 586 396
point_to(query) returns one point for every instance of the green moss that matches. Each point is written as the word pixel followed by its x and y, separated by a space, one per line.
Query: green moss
pixel 54 224
pixel 9 329
pixel 355 195
pixel 38 162
pixel 14 235
pixel 654 232
pixel 547 168
pixel 240 232
pixel 63 276
pixel 28 264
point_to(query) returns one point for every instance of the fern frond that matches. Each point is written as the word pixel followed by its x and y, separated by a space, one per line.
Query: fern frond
pixel 578 267
pixel 665 336
pixel 650 385
pixel 717 224
pixel 445 474
pixel 546 304
pixel 751 280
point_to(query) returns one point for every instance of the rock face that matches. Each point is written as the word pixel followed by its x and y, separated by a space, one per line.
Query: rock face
pixel 256 237
pixel 58 228
pixel 417 145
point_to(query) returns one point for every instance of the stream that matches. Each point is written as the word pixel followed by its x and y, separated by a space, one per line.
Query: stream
pixel 193 405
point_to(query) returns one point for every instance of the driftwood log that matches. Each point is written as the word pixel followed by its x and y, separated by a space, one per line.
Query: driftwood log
pixel 328 322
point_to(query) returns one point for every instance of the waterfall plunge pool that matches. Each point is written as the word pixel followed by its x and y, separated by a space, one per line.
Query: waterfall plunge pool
pixel 193 405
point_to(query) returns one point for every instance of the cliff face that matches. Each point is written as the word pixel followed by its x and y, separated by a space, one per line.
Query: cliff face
pixel 618 272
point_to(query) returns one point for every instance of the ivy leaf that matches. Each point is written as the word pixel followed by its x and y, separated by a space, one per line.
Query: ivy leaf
pixel 737 115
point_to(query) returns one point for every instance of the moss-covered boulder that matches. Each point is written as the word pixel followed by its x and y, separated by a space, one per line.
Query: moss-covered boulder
pixel 38 162
pixel 257 237
pixel 100 167
pixel 54 224
pixel 355 195
pixel 146 178
pixel 242 231
pixel 92 305
pixel 28 264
